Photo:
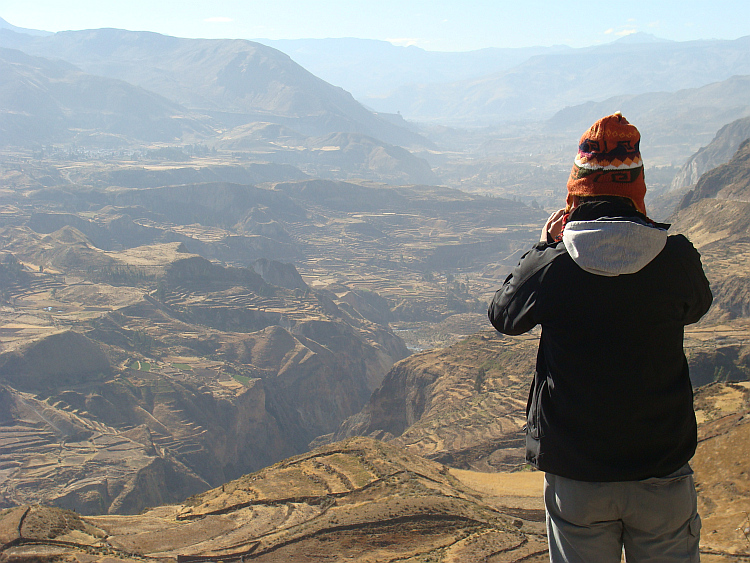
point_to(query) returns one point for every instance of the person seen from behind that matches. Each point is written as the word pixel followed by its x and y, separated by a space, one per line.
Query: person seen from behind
pixel 610 415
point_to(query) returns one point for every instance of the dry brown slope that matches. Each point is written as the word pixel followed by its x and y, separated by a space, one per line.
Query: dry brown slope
pixel 359 499
pixel 722 470
pixel 211 373
pixel 365 500
pixel 715 216
pixel 463 405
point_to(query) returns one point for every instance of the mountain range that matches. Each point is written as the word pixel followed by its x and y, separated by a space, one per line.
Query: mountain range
pixel 254 101
pixel 233 81
pixel 371 69
pixel 543 84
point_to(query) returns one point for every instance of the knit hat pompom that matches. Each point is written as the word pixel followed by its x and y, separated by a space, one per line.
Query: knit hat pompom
pixel 609 162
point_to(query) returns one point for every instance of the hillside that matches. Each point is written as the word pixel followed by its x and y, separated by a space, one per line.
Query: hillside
pixel 464 405
pixel 723 491
pixel 343 501
pixel 234 81
pixel 367 500
pixel 46 101
pixel 189 373
pixel 714 215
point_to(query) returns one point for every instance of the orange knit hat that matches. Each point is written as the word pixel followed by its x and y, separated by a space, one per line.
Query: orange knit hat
pixel 609 162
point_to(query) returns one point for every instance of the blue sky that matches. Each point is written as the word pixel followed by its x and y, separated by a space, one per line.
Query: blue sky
pixel 453 25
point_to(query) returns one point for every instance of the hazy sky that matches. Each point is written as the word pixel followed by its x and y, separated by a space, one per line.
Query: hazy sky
pixel 435 25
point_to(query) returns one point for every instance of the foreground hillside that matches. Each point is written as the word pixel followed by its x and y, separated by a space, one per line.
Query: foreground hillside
pixel 356 500
pixel 364 500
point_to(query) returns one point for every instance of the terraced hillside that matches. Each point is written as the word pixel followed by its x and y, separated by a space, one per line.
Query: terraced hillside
pixel 464 405
pixel 431 252
pixel 365 500
pixel 118 397
pixel 220 357
pixel 357 500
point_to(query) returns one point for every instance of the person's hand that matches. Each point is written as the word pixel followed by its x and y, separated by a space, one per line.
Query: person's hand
pixel 553 226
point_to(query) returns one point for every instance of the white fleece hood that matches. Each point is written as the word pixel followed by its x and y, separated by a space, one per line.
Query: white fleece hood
pixel 611 247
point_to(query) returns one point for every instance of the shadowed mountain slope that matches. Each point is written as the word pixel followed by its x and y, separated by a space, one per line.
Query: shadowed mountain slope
pixel 715 215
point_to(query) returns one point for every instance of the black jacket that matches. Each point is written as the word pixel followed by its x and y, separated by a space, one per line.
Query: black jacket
pixel 611 398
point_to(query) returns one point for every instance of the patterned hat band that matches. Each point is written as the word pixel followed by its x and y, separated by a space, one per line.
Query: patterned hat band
pixel 610 174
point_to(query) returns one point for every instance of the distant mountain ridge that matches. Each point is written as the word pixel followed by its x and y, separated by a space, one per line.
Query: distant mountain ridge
pixel 5 25
pixel 673 125
pixel 53 101
pixel 233 81
pixel 546 83
pixel 369 68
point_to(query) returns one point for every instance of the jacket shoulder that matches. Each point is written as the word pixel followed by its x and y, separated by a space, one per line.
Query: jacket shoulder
pixel 679 247
pixel 679 241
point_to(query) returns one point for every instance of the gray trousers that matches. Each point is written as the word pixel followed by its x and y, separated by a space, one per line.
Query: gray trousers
pixel 654 520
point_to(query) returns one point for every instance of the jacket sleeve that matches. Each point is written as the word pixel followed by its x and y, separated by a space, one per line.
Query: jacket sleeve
pixel 513 310
pixel 701 297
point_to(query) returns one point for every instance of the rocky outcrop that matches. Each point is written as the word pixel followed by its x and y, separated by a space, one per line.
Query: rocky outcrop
pixel 463 405
pixel 719 151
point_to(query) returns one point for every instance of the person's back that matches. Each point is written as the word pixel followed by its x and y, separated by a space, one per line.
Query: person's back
pixel 611 399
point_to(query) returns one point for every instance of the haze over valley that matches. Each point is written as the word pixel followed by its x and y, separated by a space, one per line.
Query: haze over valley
pixel 243 287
